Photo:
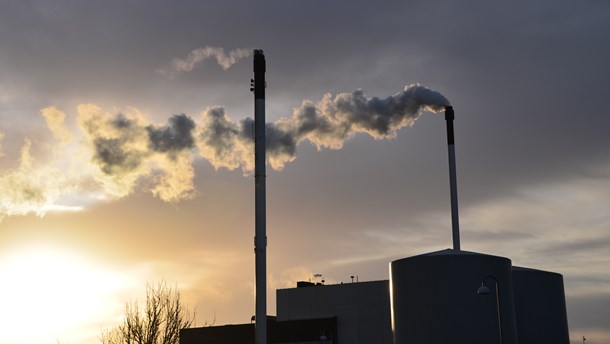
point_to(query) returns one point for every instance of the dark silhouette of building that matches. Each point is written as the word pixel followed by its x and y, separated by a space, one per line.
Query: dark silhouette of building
pixel 362 309
pixel 437 298
pixel 322 330
pixel 448 296
pixel 540 306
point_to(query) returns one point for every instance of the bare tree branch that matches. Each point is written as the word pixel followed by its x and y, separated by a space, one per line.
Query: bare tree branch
pixel 158 322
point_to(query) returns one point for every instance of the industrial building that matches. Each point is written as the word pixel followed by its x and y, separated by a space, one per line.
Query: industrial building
pixel 454 296
pixel 362 309
pixel 448 296
pixel 320 331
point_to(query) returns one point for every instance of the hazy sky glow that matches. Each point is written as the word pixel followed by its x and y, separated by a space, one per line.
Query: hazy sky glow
pixel 125 153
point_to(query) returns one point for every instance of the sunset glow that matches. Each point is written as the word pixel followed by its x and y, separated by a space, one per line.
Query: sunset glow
pixel 55 289
pixel 127 150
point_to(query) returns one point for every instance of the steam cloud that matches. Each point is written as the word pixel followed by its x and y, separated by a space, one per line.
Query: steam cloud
pixel 195 57
pixel 125 148
pixel 326 124
pixel 125 152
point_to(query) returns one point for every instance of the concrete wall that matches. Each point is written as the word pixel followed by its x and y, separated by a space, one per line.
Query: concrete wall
pixel 540 306
pixel 435 300
pixel 362 309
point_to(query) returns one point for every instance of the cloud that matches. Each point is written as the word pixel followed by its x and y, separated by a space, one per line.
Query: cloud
pixel 175 136
pixel 126 148
pixel 55 122
pixel 175 183
pixel 197 56
pixel 114 153
pixel 30 188
pixel 225 143
pixel 117 153
pixel 117 146
pixel 326 124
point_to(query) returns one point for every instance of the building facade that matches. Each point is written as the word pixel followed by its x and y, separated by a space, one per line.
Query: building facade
pixel 362 309
pixel 449 296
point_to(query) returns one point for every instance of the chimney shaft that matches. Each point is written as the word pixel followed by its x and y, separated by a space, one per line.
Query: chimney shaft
pixel 260 238
pixel 455 223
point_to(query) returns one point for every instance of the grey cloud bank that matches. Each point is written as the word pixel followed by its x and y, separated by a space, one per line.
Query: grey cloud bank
pixel 528 81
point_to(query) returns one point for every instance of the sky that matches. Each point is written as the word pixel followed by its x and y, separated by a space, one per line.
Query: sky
pixel 125 155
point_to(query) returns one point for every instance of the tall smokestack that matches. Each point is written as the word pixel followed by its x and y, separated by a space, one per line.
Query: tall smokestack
pixel 260 237
pixel 455 223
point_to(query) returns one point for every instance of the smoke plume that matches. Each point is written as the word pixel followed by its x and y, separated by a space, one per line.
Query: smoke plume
pixel 326 124
pixel 125 149
pixel 116 154
pixel 30 188
pixel 197 56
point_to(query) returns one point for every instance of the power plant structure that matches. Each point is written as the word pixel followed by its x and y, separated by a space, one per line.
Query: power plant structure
pixel 453 296
pixel 260 236
pixel 447 296
pixel 455 222
pixel 444 296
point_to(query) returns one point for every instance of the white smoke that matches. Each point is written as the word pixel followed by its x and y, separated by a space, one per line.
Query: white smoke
pixel 326 124
pixel 116 154
pixel 197 56
pixel 31 188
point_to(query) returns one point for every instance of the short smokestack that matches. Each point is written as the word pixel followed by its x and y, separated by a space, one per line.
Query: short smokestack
pixel 455 222
pixel 260 238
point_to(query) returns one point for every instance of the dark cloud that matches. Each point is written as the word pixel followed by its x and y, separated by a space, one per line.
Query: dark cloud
pixel 113 157
pixel 177 135
pixel 115 153
pixel 128 149
pixel 223 142
pixel 280 144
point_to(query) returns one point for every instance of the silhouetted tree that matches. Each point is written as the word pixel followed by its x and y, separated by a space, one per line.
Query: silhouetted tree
pixel 158 322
